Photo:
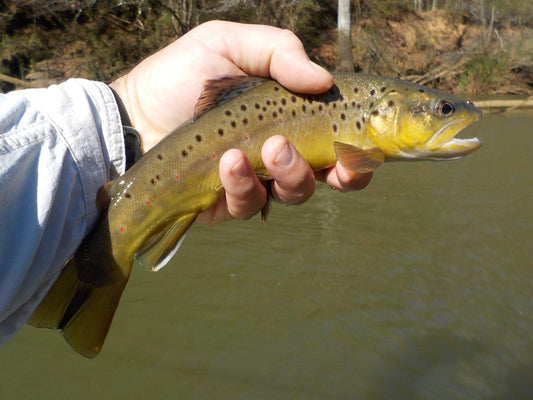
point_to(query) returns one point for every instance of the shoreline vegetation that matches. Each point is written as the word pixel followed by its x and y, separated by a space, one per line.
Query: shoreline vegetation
pixel 475 48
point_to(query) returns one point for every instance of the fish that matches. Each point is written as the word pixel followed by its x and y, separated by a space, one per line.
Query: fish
pixel 362 122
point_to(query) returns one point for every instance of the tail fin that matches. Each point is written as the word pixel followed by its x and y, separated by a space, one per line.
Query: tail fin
pixel 81 310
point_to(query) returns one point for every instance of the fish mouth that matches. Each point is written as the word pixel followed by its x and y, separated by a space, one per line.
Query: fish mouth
pixel 444 145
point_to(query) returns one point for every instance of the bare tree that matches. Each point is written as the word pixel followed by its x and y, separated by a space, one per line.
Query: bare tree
pixel 344 23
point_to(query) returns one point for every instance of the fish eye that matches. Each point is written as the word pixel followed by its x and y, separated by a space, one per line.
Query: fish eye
pixel 445 108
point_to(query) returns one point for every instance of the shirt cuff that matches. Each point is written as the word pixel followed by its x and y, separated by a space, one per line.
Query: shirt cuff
pixel 92 130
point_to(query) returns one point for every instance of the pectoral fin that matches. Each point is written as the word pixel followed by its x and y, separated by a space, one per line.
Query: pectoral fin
pixel 160 248
pixel 359 160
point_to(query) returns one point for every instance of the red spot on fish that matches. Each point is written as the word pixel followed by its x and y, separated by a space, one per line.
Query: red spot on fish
pixel 147 201
pixel 281 121
pixel 213 156
pixel 122 229
pixel 246 137
pixel 177 177
pixel 303 116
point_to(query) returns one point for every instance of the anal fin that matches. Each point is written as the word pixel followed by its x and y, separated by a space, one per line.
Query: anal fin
pixel 161 247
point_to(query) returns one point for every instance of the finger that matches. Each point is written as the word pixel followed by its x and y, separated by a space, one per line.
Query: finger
pixel 343 179
pixel 244 193
pixel 266 51
pixel 294 182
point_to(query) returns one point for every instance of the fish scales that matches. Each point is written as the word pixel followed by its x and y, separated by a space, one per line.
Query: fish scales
pixel 187 164
pixel 362 121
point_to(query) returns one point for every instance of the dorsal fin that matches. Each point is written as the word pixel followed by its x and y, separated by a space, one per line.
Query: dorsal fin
pixel 221 90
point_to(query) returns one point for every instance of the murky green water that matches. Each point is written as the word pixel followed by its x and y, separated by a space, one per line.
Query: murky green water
pixel 418 287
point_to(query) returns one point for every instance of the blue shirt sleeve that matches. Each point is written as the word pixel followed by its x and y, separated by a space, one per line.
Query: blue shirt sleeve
pixel 57 147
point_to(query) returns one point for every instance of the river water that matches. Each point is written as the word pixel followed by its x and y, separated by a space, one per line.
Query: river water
pixel 418 287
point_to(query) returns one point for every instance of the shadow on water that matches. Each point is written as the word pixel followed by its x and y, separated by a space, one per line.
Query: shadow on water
pixel 444 365
pixel 518 384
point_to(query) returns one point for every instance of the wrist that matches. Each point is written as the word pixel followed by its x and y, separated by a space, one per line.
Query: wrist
pixel 132 138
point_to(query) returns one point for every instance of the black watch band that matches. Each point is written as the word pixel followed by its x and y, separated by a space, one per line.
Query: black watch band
pixel 132 139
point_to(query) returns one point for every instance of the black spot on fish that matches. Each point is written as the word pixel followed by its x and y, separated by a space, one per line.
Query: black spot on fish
pixel 341 97
pixel 184 153
pixel 280 110
pixel 257 106
pixel 283 101
pixel 345 106
pixel 228 113
pixel 293 113
pixel 264 108
pixel 274 114
pixel 334 127
pixel 293 99
pixel 260 117
pixel 383 89
pixel 198 138
pixel 372 92
pixel 190 147
pixel 364 119
pixel 233 124
pixel 334 105
pixel 313 111
pixel 304 108
pixel 320 108
pixel 276 88
pixel 359 106
pixel 243 107
pixel 358 124
pixel 375 112
pixel 354 103
pixel 157 177
pixel 127 195
pixel 160 156
pixel 371 105
pixel 274 103
pixel 343 116
pixel 421 90
pixel 153 181
pixel 355 90
pixel 268 102
pixel 390 103
pixel 245 121
pixel 220 132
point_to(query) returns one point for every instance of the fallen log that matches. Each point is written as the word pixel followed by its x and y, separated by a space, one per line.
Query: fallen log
pixel 19 82
pixel 507 104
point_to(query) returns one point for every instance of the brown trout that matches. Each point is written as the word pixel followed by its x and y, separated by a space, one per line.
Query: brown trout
pixel 361 121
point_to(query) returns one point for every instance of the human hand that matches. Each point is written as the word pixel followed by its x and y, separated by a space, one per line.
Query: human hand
pixel 161 93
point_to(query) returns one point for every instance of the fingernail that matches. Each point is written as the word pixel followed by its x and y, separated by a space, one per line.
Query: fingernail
pixel 285 157
pixel 240 170
pixel 316 66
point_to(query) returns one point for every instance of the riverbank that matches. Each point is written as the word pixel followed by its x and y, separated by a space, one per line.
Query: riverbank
pixel 451 51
